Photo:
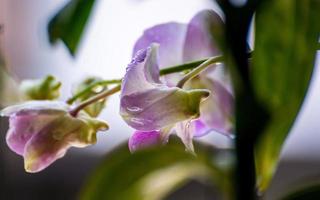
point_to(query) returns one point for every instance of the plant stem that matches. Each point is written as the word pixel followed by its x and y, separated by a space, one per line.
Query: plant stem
pixel 247 111
pixel 90 87
pixel 183 67
pixel 198 69
pixel 93 99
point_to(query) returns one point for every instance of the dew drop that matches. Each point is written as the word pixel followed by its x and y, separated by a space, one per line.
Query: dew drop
pixel 134 109
pixel 98 89
pixel 138 121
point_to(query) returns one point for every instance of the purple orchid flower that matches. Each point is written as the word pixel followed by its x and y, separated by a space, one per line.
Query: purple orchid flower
pixel 43 131
pixel 154 106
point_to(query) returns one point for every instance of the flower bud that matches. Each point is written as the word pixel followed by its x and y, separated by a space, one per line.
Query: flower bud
pixel 47 88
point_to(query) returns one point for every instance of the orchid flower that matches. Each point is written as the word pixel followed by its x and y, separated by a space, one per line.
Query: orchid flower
pixel 43 131
pixel 154 106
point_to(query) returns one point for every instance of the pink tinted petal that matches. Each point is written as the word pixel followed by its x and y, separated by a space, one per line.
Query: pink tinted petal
pixel 185 133
pixel 27 119
pixel 52 142
pixel 170 37
pixel 199 128
pixel 199 42
pixel 42 150
pixel 22 127
pixel 217 111
pixel 141 140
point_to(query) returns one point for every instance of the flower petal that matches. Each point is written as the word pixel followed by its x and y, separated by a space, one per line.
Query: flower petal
pixel 24 126
pixel 157 108
pixel 217 111
pixel 53 141
pixel 185 133
pixel 36 107
pixel 199 128
pixel 199 42
pixel 143 71
pixel 27 119
pixel 170 37
pixel 144 139
pixel 147 104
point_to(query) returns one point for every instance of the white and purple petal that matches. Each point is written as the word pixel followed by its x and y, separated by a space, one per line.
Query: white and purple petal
pixel 217 111
pixel 199 42
pixel 185 133
pixel 148 104
pixel 144 139
pixel 170 36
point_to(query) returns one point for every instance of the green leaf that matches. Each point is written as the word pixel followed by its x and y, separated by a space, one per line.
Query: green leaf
pixel 69 23
pixel 287 34
pixel 308 193
pixel 151 174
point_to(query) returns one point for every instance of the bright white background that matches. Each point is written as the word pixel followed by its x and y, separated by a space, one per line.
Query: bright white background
pixel 106 50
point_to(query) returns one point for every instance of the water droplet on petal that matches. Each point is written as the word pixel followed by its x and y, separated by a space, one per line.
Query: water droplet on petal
pixel 137 121
pixel 134 109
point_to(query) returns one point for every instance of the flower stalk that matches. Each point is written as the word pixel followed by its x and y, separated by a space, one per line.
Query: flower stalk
pixel 199 69
pixel 89 88
pixel 82 105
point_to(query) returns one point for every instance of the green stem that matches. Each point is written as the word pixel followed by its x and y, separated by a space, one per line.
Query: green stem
pixel 90 87
pixel 93 99
pixel 183 67
pixel 198 69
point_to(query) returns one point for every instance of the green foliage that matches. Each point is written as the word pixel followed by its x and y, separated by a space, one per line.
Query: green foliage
pixel 287 34
pixel 152 174
pixel 69 23
pixel 308 193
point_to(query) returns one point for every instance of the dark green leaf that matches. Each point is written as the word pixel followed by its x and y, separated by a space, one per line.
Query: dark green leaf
pixel 287 34
pixel 308 193
pixel 153 173
pixel 69 23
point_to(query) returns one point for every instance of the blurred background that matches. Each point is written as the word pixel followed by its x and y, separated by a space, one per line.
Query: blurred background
pixel 105 50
